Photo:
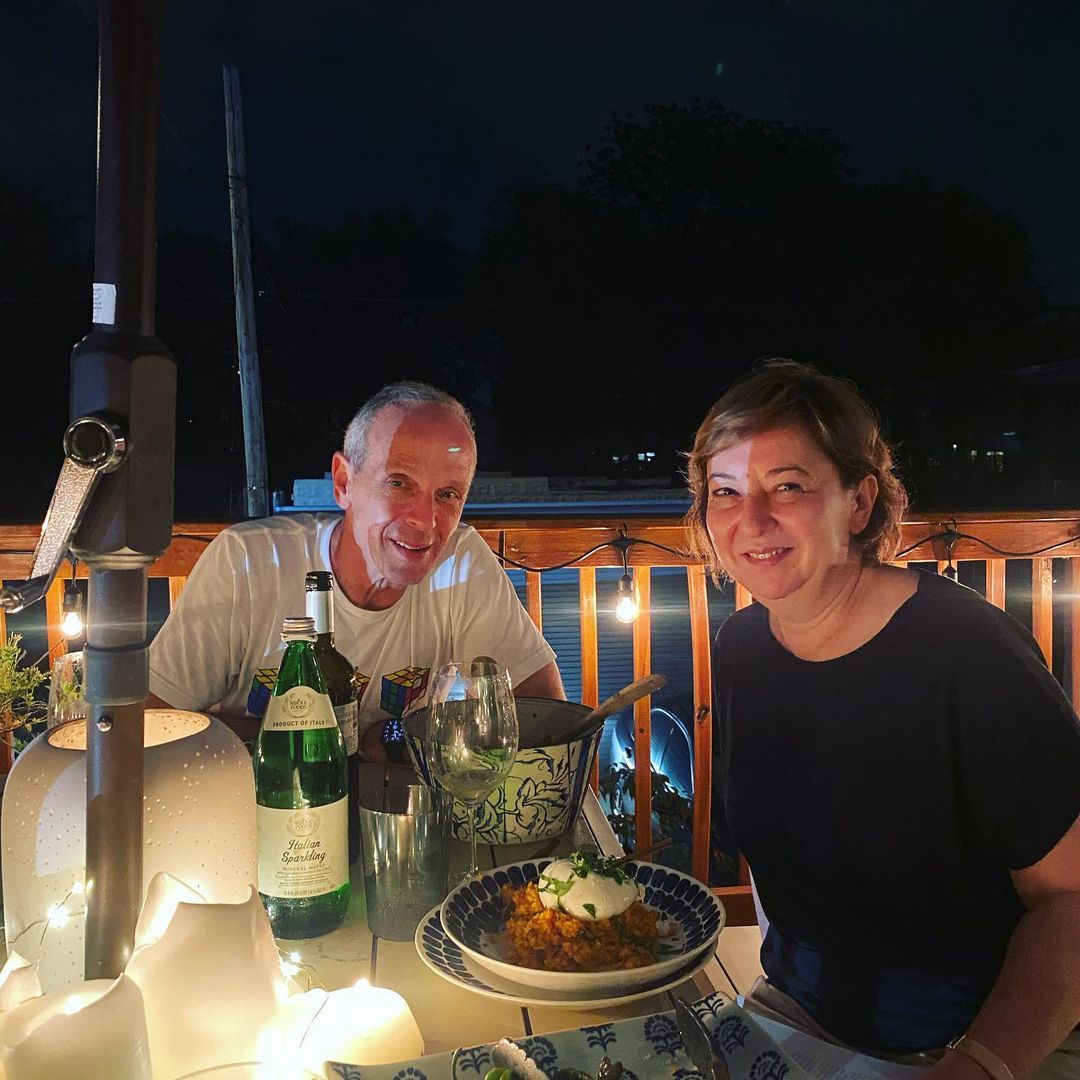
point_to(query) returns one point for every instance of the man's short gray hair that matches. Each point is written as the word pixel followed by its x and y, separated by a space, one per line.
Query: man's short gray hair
pixel 402 395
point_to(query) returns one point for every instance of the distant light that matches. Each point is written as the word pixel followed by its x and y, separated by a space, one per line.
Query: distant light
pixel 954 446
pixel 1006 434
pixel 719 69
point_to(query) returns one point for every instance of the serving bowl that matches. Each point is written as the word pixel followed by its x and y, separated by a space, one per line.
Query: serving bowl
pixel 543 792
pixel 474 913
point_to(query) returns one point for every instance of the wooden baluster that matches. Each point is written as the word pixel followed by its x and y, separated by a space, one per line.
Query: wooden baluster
pixel 1074 632
pixel 699 644
pixel 176 587
pixel 642 716
pixel 54 616
pixel 942 566
pixel 995 582
pixel 532 599
pixel 742 597
pixel 1042 606
pixel 590 657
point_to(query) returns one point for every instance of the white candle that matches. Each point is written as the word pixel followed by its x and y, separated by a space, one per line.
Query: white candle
pixel 97 1031
pixel 362 1025
pixel 210 977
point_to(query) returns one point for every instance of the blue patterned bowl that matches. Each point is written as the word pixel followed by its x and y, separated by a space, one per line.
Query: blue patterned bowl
pixel 547 782
pixel 474 913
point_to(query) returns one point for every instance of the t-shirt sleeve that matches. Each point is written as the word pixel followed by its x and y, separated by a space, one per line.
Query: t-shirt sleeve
pixel 1017 742
pixel 490 620
pixel 195 659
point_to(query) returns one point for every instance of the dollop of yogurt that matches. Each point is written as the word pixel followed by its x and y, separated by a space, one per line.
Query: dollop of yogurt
pixel 592 895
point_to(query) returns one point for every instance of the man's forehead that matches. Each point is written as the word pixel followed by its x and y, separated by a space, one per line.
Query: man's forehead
pixel 425 433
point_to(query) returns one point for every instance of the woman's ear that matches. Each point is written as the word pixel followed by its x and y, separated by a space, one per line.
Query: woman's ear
pixel 864 495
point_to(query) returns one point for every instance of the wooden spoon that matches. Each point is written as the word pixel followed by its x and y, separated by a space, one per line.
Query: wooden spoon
pixel 647 684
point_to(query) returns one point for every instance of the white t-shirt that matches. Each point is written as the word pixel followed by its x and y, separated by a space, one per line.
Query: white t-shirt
pixel 221 646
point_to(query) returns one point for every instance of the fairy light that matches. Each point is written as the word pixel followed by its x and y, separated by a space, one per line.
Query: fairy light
pixel 626 609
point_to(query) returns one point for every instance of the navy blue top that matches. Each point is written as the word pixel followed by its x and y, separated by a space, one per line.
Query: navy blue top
pixel 881 799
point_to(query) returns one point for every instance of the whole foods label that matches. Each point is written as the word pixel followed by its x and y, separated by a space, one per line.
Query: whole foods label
pixel 303 852
pixel 299 709
pixel 347 720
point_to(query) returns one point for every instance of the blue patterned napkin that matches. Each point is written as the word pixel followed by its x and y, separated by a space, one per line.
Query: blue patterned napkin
pixel 649 1047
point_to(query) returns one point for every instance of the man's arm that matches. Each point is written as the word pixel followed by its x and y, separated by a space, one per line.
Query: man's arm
pixel 1035 1001
pixel 545 683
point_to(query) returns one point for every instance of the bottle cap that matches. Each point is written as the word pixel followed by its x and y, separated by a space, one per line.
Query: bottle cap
pixel 298 628
pixel 318 581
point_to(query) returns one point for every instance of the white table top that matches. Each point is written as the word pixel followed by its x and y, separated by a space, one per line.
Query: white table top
pixel 451 1016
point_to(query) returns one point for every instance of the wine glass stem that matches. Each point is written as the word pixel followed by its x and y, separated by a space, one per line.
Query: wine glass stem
pixel 473 867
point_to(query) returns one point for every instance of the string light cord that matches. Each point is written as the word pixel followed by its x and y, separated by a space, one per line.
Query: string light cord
pixel 622 543
pixel 951 535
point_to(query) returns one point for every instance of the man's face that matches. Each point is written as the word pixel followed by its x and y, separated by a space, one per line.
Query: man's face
pixel 405 498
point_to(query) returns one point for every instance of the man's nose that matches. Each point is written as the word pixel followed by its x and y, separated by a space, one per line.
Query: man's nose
pixel 422 508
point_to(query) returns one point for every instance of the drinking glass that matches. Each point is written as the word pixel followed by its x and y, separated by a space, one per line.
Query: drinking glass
pixel 66 701
pixel 472 734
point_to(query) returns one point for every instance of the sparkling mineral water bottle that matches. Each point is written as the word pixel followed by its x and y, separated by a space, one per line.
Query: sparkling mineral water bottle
pixel 340 678
pixel 301 794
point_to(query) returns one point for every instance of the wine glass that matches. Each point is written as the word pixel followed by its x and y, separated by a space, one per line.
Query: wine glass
pixel 472 734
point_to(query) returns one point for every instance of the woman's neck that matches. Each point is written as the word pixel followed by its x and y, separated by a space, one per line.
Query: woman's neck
pixel 851 606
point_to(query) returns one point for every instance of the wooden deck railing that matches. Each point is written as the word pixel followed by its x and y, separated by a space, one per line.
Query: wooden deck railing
pixel 992 538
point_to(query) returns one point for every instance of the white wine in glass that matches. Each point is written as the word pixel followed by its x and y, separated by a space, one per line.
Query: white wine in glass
pixel 472 734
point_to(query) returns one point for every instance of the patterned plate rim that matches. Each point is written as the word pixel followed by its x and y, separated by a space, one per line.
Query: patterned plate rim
pixel 598 980
pixel 528 993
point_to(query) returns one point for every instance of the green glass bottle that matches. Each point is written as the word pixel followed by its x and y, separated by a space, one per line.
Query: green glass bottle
pixel 300 795
pixel 340 678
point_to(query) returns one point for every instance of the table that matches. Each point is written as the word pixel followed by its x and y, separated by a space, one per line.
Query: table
pixel 451 1016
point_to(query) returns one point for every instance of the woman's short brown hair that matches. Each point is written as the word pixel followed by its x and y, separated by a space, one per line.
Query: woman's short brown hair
pixel 779 393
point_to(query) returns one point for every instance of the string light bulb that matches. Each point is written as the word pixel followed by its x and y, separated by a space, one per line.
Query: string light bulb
pixel 626 609
pixel 72 624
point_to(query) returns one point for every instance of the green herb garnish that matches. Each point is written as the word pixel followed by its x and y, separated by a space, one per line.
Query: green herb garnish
pixel 554 885
pixel 590 908
pixel 587 862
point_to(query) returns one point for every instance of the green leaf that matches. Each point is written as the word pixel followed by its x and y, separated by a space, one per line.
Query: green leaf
pixel 590 908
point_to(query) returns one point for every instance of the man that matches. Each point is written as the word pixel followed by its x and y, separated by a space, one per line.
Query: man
pixel 413 588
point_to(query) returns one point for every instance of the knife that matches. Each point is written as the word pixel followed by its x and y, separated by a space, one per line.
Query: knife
pixel 708 1061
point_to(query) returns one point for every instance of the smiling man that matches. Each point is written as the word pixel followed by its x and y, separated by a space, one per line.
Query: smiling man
pixel 413 587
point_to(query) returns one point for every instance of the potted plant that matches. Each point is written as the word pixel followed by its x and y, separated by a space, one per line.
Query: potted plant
pixel 20 704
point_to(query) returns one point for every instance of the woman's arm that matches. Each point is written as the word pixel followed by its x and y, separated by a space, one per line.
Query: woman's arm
pixel 1035 1002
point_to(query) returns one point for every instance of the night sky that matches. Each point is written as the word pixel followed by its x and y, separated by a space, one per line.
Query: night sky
pixel 437 106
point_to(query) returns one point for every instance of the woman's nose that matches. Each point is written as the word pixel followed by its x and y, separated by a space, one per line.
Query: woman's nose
pixel 757 514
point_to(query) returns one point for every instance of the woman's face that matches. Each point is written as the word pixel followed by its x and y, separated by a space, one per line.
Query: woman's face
pixel 779 518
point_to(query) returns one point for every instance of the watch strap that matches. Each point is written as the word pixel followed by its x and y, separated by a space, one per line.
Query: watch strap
pixel 991 1064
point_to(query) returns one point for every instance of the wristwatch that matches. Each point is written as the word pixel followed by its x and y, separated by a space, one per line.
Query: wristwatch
pixel 991 1064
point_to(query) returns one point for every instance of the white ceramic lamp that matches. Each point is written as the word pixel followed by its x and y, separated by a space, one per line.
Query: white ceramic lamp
pixel 199 826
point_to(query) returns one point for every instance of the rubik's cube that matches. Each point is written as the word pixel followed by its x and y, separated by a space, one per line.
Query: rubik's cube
pixel 262 686
pixel 401 688
pixel 362 681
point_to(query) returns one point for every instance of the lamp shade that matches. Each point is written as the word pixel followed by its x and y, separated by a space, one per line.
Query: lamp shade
pixel 198 826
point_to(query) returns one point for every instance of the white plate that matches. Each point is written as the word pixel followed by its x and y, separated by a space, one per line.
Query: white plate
pixel 476 906
pixel 447 961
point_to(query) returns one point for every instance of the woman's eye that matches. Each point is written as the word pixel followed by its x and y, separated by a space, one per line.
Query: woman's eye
pixel 789 486
pixel 722 492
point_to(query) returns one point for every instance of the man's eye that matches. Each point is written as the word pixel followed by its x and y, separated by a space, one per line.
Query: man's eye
pixel 449 495
pixel 395 482
pixel 789 486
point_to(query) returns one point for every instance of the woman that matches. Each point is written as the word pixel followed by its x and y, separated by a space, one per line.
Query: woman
pixel 895 760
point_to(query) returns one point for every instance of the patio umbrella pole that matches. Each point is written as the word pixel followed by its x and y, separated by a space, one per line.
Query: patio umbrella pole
pixel 121 374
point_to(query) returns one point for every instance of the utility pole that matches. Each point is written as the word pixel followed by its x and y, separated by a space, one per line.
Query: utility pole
pixel 246 344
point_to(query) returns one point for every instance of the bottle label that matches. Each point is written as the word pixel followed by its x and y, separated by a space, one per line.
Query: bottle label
pixel 347 715
pixel 319 606
pixel 300 708
pixel 303 852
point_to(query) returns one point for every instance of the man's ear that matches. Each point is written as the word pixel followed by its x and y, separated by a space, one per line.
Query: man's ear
pixel 865 495
pixel 340 471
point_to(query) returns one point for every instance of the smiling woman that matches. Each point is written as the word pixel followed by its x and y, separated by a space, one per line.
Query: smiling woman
pixel 850 684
